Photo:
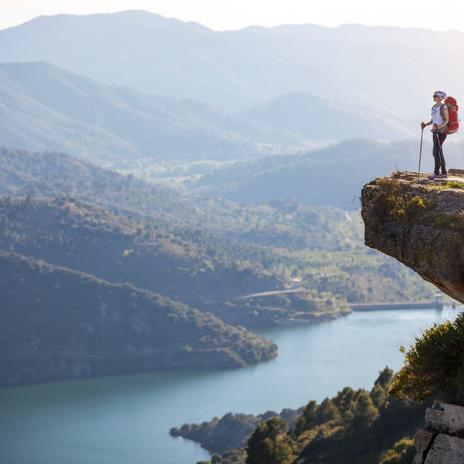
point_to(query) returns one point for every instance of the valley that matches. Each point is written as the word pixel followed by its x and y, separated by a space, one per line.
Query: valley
pixel 183 248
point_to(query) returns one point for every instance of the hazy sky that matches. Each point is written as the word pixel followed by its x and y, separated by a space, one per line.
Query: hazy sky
pixel 233 14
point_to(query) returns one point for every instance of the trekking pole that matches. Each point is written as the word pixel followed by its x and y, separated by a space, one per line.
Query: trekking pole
pixel 420 153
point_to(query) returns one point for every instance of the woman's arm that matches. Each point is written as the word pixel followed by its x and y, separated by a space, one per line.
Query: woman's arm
pixel 425 124
pixel 445 117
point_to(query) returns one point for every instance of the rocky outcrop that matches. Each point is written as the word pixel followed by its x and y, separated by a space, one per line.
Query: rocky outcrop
pixel 421 224
pixel 442 439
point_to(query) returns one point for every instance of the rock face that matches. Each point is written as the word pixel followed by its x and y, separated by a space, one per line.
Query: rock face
pixel 446 418
pixel 441 441
pixel 421 224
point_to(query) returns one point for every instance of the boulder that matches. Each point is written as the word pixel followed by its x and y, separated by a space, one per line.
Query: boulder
pixel 423 439
pixel 445 418
pixel 446 450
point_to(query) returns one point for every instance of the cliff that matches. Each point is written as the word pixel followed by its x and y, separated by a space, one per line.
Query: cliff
pixel 440 441
pixel 421 224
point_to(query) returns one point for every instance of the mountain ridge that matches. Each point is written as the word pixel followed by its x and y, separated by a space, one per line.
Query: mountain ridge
pixel 315 118
pixel 82 116
pixel 224 73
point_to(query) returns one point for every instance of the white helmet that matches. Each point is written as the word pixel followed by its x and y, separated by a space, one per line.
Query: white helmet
pixel 440 93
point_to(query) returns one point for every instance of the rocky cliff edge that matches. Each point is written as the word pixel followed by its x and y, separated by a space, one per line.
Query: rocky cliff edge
pixel 421 224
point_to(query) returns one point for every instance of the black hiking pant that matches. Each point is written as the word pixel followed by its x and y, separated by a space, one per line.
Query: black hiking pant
pixel 438 141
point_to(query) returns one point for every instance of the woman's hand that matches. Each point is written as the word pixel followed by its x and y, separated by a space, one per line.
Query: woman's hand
pixel 425 124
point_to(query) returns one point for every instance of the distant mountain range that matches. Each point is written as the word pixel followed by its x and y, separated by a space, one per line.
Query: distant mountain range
pixel 278 223
pixel 386 69
pixel 307 117
pixel 330 176
pixel 45 107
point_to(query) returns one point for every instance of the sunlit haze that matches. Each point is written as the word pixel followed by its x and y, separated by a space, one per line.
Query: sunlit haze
pixel 234 14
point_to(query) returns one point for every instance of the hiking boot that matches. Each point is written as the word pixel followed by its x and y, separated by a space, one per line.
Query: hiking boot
pixel 443 176
pixel 433 177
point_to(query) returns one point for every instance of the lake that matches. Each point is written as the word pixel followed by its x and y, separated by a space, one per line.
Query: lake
pixel 125 420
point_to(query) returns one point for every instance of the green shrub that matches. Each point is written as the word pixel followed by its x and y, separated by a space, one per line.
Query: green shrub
pixel 403 452
pixel 434 365
pixel 398 204
pixel 454 184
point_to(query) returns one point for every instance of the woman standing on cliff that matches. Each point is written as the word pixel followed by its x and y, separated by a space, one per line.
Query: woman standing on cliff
pixel 440 120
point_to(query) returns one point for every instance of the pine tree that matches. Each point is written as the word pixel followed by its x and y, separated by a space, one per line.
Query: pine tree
pixel 365 412
pixel 270 443
pixel 379 396
pixel 384 378
pixel 345 402
pixel 308 419
pixel 327 411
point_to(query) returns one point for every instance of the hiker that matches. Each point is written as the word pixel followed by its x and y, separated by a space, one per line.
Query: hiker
pixel 440 120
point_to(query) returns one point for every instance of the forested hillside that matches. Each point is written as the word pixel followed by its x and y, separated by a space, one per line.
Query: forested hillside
pixel 281 238
pixel 330 176
pixel 70 233
pixel 58 324
pixel 355 426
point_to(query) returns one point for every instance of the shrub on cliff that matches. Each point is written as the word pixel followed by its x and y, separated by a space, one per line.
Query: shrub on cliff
pixel 397 205
pixel 403 452
pixel 434 365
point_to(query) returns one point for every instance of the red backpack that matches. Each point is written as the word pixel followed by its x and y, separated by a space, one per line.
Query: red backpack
pixel 453 109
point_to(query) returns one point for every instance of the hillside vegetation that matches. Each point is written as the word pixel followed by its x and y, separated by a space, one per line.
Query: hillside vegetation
pixel 330 176
pixel 70 233
pixel 279 239
pixel 58 324
pixel 355 426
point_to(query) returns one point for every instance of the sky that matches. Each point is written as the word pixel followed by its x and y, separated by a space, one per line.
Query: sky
pixel 235 14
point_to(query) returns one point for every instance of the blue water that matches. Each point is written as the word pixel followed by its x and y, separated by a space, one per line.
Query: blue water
pixel 125 420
